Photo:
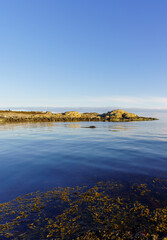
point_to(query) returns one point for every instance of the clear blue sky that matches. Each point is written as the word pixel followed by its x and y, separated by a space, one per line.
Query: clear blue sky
pixel 83 53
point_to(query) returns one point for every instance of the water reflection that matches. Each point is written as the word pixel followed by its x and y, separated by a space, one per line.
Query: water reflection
pixel 119 128
pixel 39 156
pixel 72 125
pixel 13 126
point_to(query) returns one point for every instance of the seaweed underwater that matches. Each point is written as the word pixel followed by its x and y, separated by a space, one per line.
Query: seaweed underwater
pixel 109 210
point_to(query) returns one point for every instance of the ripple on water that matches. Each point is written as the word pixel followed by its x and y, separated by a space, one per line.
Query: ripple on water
pixel 42 155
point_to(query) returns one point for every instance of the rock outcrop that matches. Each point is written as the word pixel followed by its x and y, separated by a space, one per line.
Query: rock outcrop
pixel 112 116
pixel 119 115
pixel 72 114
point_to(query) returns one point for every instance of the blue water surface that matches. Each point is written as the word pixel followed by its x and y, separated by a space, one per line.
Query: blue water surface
pixel 39 156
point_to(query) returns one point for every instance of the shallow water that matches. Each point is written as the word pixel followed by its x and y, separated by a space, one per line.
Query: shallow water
pixel 40 156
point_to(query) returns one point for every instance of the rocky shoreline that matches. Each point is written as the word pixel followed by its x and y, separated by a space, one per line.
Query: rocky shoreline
pixel 72 116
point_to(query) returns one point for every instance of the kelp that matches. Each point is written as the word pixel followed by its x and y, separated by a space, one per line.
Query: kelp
pixel 109 210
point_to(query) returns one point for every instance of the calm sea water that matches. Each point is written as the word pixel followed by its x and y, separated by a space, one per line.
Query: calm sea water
pixel 44 155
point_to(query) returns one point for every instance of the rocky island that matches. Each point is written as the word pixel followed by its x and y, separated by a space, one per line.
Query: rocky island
pixel 72 116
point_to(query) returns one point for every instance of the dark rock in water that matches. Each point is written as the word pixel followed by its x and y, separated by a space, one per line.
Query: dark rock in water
pixel 90 127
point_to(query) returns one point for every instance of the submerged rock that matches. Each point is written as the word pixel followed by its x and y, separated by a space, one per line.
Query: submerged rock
pixel 91 126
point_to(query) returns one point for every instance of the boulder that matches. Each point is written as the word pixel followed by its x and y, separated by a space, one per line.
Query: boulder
pixel 48 113
pixel 129 115
pixel 72 114
pixel 119 114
